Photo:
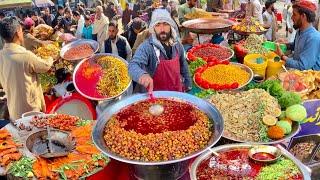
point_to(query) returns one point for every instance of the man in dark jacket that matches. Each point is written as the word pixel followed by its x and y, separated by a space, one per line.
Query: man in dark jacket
pixel 58 17
pixel 117 44
pixel 48 17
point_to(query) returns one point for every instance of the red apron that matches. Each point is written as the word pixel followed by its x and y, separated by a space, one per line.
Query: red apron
pixel 167 76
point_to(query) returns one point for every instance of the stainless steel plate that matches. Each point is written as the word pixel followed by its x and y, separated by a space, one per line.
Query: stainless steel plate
pixel 303 169
pixel 206 107
pixel 94 45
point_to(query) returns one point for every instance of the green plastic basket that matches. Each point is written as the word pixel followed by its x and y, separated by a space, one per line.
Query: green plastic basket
pixel 271 46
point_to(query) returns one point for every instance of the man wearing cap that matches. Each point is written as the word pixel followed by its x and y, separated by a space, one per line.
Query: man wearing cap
pixel 31 42
pixel 306 46
pixel 18 71
pixel 159 63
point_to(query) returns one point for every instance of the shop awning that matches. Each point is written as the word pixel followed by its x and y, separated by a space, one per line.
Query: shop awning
pixel 15 3
pixel 43 3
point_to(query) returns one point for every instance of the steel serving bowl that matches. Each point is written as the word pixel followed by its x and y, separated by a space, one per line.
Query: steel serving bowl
pixel 242 66
pixel 209 26
pixel 193 168
pixel 96 98
pixel 227 59
pixel 94 45
pixel 171 169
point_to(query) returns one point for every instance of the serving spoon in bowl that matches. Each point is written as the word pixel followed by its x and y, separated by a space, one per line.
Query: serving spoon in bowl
pixel 155 109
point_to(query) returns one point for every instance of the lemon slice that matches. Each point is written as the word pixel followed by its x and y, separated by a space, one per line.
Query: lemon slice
pixel 269 120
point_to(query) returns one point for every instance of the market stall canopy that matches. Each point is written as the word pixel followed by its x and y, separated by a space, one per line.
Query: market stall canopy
pixel 15 3
pixel 42 3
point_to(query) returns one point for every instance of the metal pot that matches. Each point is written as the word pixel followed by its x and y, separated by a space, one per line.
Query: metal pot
pixel 172 169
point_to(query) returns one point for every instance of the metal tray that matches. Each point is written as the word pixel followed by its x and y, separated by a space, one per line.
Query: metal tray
pixel 96 98
pixel 94 45
pixel 295 129
pixel 232 54
pixel 192 170
pixel 216 25
pixel 242 66
pixel 209 109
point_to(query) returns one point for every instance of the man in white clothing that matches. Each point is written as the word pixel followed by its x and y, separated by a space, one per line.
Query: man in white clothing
pixel 254 9
pixel 270 21
pixel 100 27
pixel 289 23
pixel 80 23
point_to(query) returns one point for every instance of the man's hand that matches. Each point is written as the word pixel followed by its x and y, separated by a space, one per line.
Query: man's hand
pixel 146 81
pixel 278 50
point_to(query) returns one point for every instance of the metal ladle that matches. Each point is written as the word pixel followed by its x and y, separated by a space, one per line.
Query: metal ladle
pixel 154 109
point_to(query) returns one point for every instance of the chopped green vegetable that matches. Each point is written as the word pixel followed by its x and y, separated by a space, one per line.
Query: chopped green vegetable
pixel 22 168
pixel 83 122
pixel 47 81
pixel 282 169
pixel 274 87
pixel 97 157
pixel 195 65
pixel 263 128
pixel 205 93
pixel 62 169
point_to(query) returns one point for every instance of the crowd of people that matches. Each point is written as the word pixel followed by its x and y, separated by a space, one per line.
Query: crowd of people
pixel 152 41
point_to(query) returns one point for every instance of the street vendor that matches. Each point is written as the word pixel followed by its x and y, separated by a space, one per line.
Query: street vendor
pixel 31 42
pixel 306 46
pixel 18 71
pixel 160 63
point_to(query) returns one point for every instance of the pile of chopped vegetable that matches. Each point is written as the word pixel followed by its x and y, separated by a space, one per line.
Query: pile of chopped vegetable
pixel 195 65
pixel 205 93
pixel 47 81
pixel 283 169
pixel 22 168
pixel 285 98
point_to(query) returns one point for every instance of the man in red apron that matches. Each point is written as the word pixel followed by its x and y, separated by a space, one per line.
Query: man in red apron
pixel 159 63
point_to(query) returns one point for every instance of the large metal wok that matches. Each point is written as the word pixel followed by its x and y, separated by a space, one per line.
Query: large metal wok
pixel 193 169
pixel 208 26
pixel 172 169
